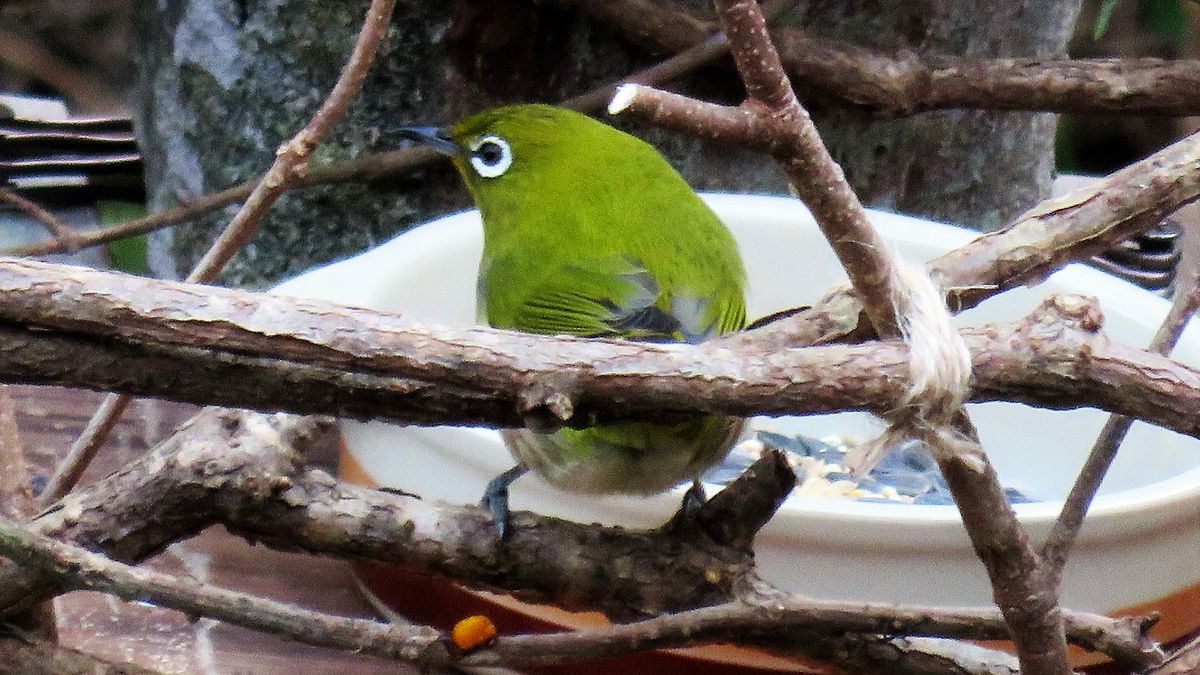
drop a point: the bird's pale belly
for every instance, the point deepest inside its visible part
(627, 458)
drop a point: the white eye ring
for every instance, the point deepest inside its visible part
(490, 156)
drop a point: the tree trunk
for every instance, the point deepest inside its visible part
(223, 82)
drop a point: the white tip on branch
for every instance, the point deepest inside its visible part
(622, 98)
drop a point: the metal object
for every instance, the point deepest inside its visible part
(1148, 259)
(64, 166)
(70, 161)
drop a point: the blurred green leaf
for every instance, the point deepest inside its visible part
(1103, 18)
(1165, 17)
(1066, 146)
(130, 254)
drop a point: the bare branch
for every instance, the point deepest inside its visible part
(239, 469)
(57, 228)
(902, 84)
(682, 63)
(366, 169)
(84, 448)
(773, 622)
(73, 568)
(1073, 227)
(26, 55)
(103, 329)
(1187, 301)
(1129, 86)
(813, 174)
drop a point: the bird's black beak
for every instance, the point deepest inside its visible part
(437, 138)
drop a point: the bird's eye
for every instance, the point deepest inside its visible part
(490, 156)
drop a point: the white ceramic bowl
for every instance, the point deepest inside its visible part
(1140, 543)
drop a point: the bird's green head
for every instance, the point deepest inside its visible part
(532, 149)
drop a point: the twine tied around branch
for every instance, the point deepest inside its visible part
(939, 374)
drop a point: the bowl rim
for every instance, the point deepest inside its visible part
(1111, 514)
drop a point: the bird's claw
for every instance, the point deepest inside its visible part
(495, 502)
(495, 497)
(693, 499)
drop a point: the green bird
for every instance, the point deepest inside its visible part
(589, 231)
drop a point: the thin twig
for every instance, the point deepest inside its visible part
(291, 160)
(368, 168)
(669, 69)
(57, 228)
(291, 163)
(686, 61)
(1183, 661)
(1186, 302)
(71, 467)
(733, 622)
(1019, 586)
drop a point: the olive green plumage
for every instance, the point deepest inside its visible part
(589, 231)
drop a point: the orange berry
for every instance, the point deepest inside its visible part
(473, 631)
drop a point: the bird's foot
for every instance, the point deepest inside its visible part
(495, 497)
(693, 499)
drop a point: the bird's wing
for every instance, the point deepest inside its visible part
(619, 297)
